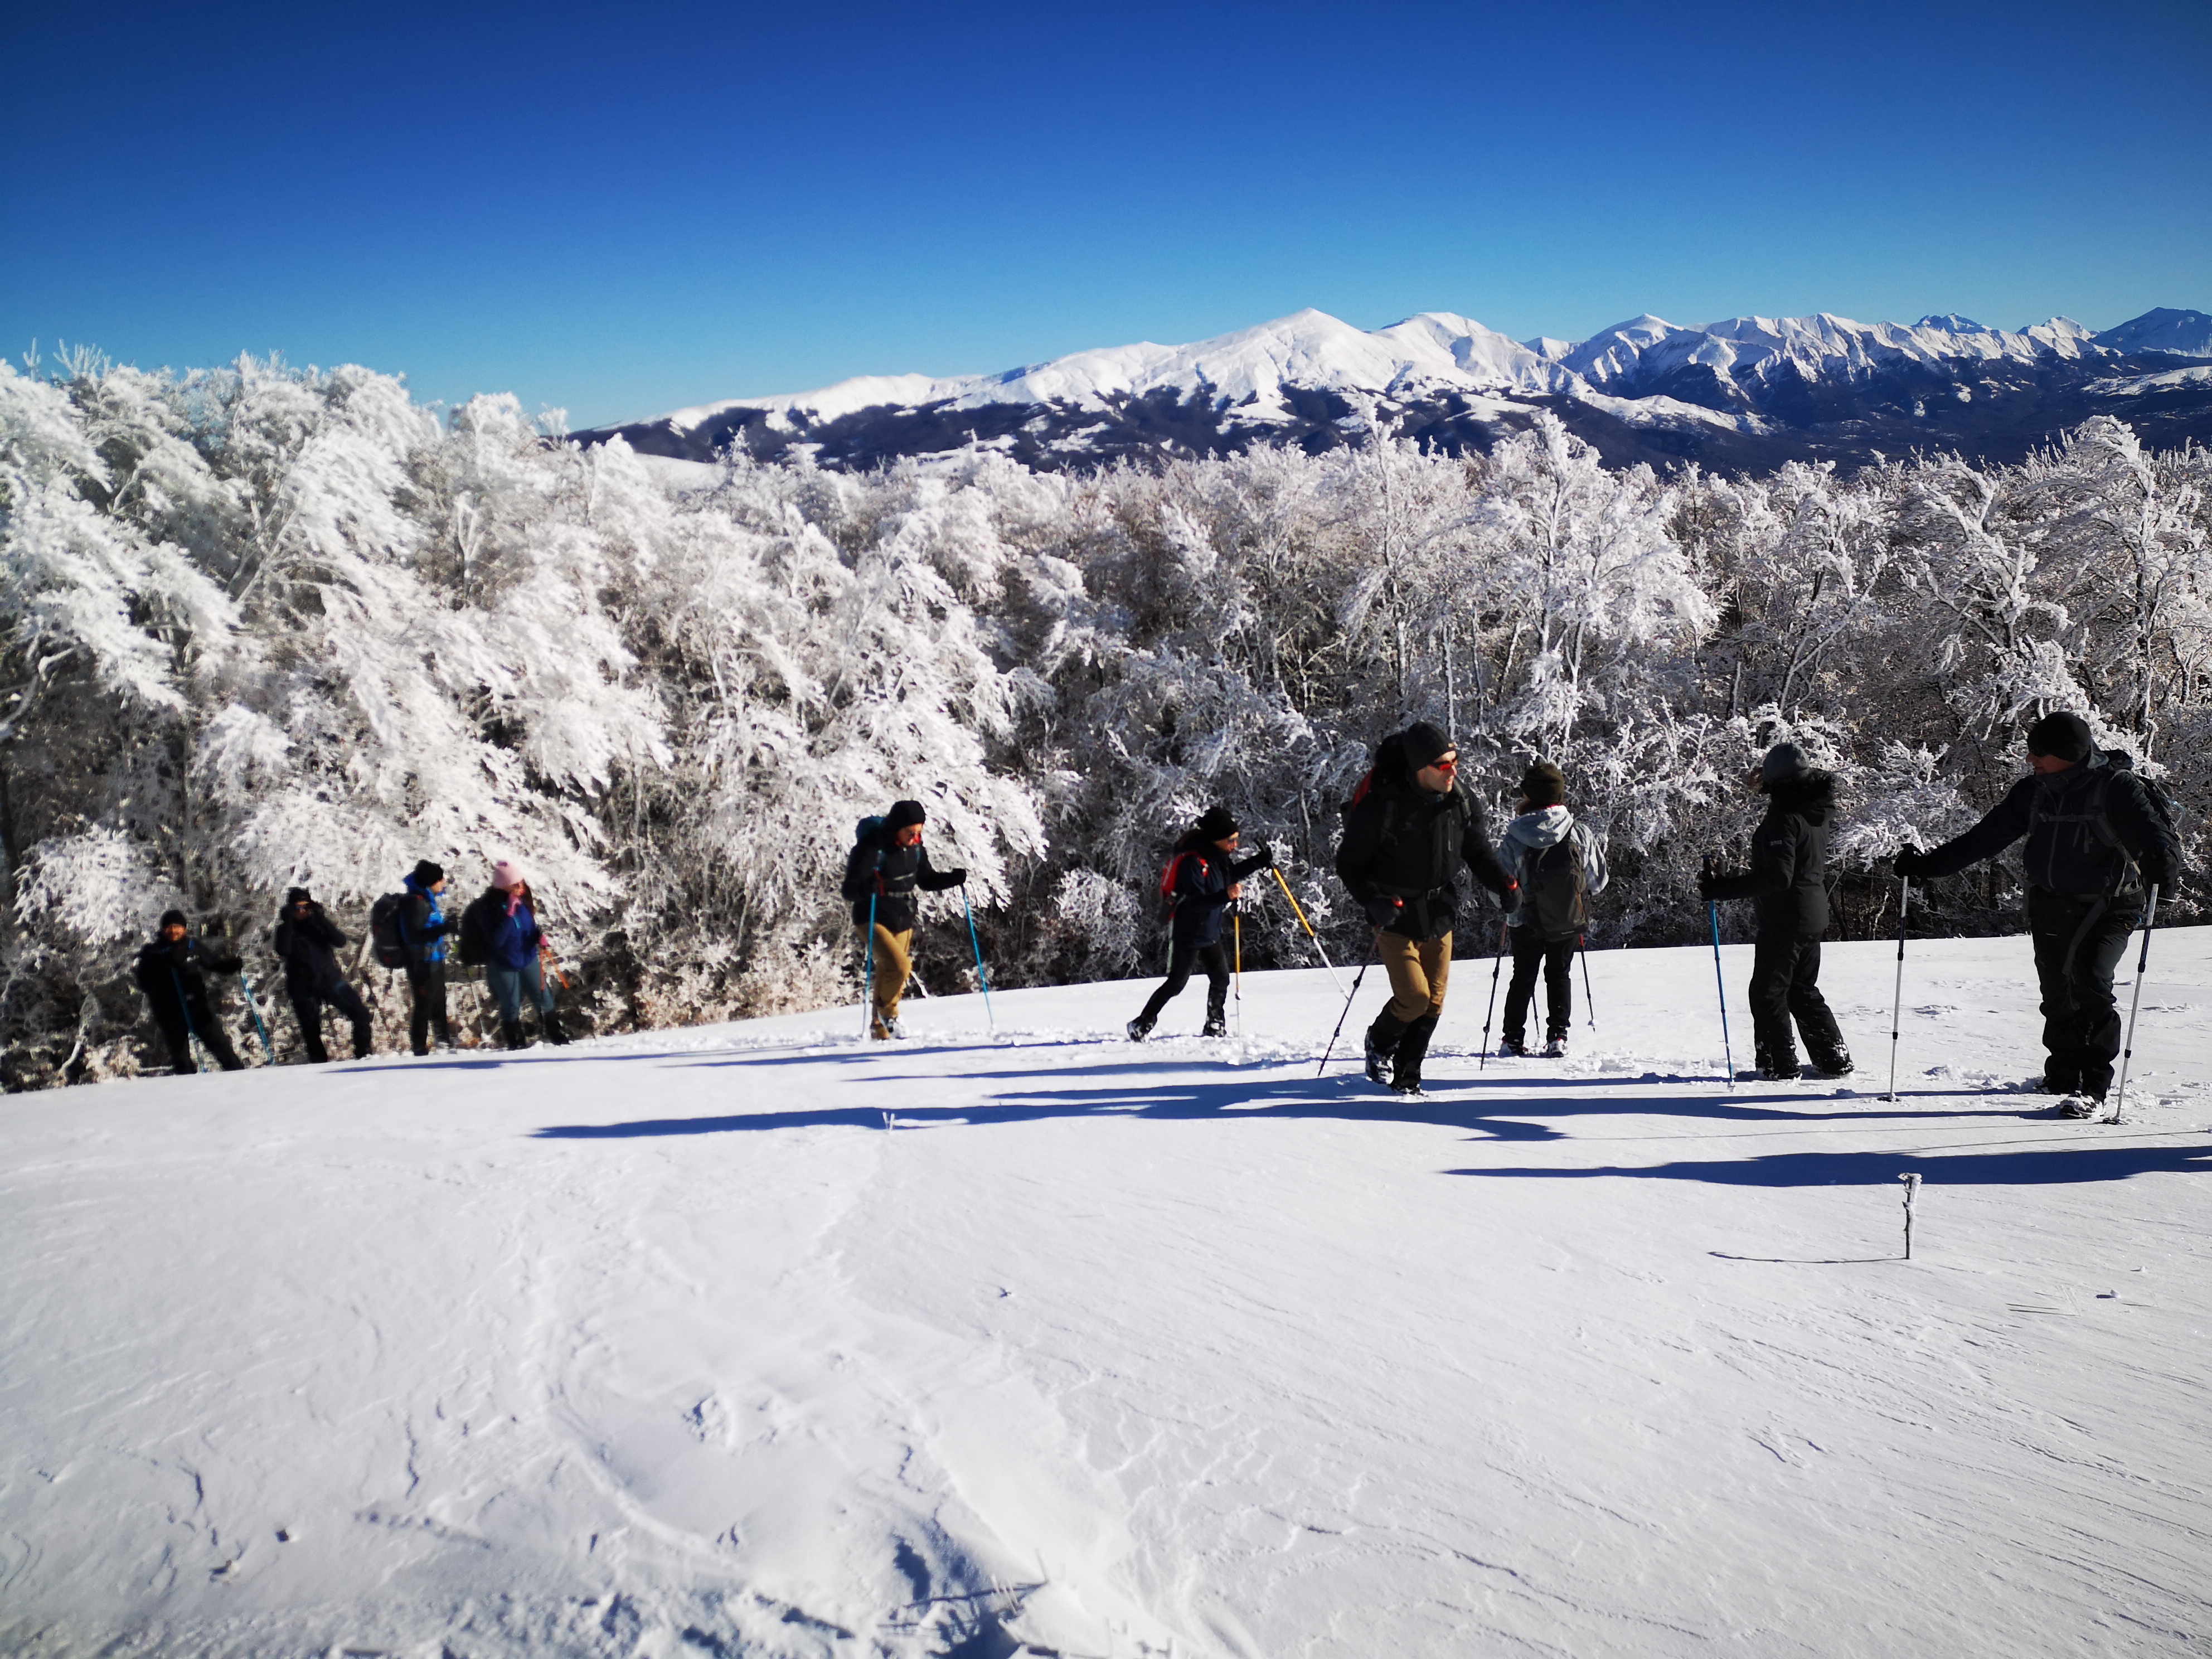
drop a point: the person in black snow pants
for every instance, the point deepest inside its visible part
(2096, 839)
(1203, 885)
(423, 925)
(173, 971)
(1409, 830)
(1561, 865)
(308, 942)
(887, 865)
(1789, 879)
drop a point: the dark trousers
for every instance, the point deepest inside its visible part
(426, 987)
(203, 1025)
(1785, 974)
(1556, 957)
(1187, 957)
(2078, 943)
(308, 1007)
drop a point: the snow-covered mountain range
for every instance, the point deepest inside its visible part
(1746, 394)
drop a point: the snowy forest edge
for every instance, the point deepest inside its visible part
(262, 627)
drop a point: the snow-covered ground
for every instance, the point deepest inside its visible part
(748, 1341)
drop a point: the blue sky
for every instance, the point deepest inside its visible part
(622, 211)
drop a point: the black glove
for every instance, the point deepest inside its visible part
(1912, 863)
(956, 877)
(1706, 882)
(1267, 857)
(1383, 909)
(1509, 900)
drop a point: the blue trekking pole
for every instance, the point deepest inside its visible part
(974, 939)
(1713, 908)
(868, 975)
(253, 1007)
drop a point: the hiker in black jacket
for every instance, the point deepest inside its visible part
(423, 927)
(173, 972)
(1789, 879)
(308, 942)
(1205, 872)
(2096, 841)
(1408, 832)
(888, 863)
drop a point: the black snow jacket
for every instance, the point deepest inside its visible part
(164, 970)
(1789, 873)
(881, 868)
(1201, 888)
(2091, 830)
(308, 945)
(1403, 842)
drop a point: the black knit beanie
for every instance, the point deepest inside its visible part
(427, 874)
(1216, 823)
(1424, 746)
(298, 896)
(1543, 785)
(174, 918)
(2062, 736)
(904, 812)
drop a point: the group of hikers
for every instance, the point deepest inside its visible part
(409, 931)
(2099, 840)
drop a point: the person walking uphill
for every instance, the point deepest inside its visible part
(307, 942)
(1559, 865)
(2097, 838)
(423, 925)
(888, 863)
(172, 971)
(1789, 879)
(500, 928)
(1409, 830)
(1202, 882)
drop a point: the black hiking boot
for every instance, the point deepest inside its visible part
(1139, 1028)
(510, 1034)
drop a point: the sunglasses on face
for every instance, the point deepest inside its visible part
(1444, 763)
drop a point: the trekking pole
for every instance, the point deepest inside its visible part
(1236, 933)
(1590, 997)
(1897, 1004)
(1496, 960)
(253, 1007)
(191, 1034)
(1308, 925)
(868, 974)
(1713, 908)
(974, 939)
(2142, 964)
(1340, 1018)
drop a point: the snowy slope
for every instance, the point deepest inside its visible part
(672, 1345)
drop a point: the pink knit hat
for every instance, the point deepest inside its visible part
(505, 876)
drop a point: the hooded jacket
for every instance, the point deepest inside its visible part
(2065, 817)
(163, 970)
(882, 868)
(1789, 873)
(308, 945)
(1405, 842)
(1201, 887)
(1531, 836)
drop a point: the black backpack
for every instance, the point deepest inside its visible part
(476, 935)
(2096, 812)
(1558, 899)
(384, 934)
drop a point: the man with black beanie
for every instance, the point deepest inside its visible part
(308, 942)
(1201, 883)
(1409, 830)
(173, 972)
(888, 863)
(2096, 840)
(424, 928)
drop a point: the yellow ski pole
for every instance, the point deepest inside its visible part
(1309, 926)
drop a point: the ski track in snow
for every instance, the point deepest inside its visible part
(666, 1345)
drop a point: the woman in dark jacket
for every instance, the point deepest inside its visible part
(1789, 880)
(1202, 884)
(503, 920)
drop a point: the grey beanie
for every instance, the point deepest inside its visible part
(1784, 762)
